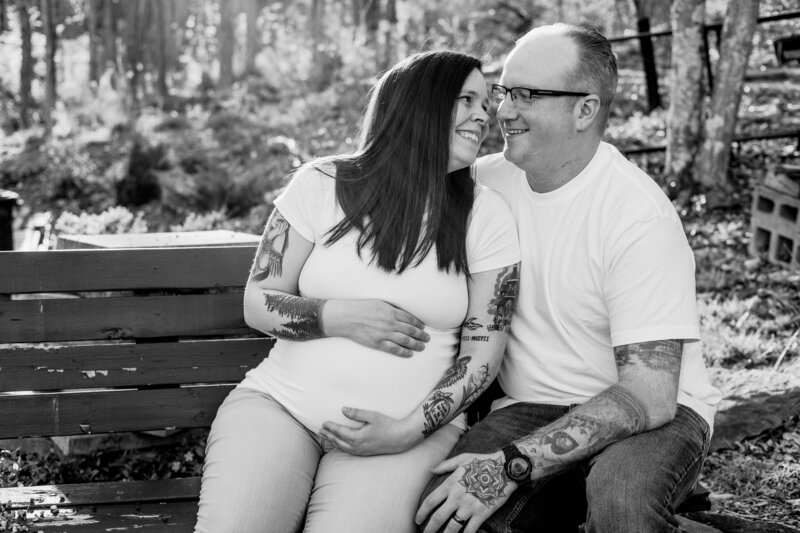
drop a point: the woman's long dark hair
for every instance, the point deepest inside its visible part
(395, 190)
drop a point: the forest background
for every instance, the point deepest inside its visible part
(180, 115)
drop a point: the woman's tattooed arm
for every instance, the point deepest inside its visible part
(483, 338)
(271, 301)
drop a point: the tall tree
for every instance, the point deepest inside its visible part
(162, 50)
(49, 13)
(253, 40)
(736, 43)
(226, 42)
(388, 53)
(26, 66)
(645, 10)
(686, 93)
(91, 8)
(110, 50)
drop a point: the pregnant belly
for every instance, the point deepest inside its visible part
(315, 379)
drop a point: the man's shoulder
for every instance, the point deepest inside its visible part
(497, 173)
(631, 186)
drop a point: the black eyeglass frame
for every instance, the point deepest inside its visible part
(532, 92)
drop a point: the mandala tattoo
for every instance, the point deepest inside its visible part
(485, 479)
(504, 299)
(471, 324)
(662, 355)
(269, 259)
(455, 373)
(303, 315)
(435, 410)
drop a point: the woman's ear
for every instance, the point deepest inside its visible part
(587, 112)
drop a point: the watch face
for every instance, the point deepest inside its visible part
(518, 467)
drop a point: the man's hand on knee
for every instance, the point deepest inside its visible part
(477, 487)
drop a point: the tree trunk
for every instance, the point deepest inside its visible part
(253, 44)
(372, 21)
(387, 58)
(686, 95)
(3, 17)
(643, 10)
(109, 36)
(49, 28)
(163, 49)
(226, 37)
(26, 67)
(90, 7)
(735, 46)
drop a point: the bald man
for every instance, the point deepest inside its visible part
(608, 409)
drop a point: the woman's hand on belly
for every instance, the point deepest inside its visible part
(379, 434)
(374, 324)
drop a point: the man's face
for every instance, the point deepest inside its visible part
(538, 137)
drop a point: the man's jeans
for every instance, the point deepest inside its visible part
(633, 485)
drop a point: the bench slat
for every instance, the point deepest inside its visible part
(44, 496)
(129, 365)
(119, 269)
(121, 317)
(172, 517)
(48, 414)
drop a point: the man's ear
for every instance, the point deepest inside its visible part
(587, 112)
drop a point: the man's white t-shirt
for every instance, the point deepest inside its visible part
(314, 379)
(605, 262)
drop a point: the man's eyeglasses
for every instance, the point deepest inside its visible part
(523, 96)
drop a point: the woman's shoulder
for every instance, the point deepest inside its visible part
(487, 198)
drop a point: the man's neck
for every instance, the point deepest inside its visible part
(546, 180)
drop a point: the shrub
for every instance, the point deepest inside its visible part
(112, 220)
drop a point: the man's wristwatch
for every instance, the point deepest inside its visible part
(518, 467)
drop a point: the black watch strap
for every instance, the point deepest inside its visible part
(517, 466)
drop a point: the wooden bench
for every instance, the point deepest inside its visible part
(119, 340)
(97, 341)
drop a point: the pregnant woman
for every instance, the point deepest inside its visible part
(388, 277)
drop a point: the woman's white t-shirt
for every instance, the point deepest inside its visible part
(314, 379)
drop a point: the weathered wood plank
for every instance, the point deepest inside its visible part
(121, 318)
(129, 364)
(76, 494)
(103, 411)
(120, 269)
(172, 517)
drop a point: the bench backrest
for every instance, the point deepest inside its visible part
(98, 341)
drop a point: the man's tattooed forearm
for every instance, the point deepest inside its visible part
(610, 416)
(485, 479)
(504, 299)
(269, 258)
(655, 355)
(303, 314)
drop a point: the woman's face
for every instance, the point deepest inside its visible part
(470, 122)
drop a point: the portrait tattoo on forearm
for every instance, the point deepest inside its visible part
(485, 479)
(269, 259)
(504, 299)
(303, 315)
(610, 416)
